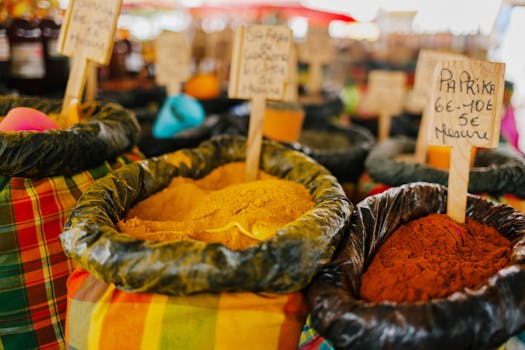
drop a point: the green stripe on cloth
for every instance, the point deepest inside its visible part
(78, 336)
(187, 318)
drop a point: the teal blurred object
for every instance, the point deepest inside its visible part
(178, 113)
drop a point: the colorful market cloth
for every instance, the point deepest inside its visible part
(33, 267)
(100, 316)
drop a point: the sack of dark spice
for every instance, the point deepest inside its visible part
(496, 173)
(42, 174)
(341, 149)
(479, 316)
(320, 109)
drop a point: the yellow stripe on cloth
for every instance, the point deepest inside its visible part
(97, 318)
(259, 317)
(153, 322)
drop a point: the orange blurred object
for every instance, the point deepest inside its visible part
(439, 156)
(283, 121)
(203, 86)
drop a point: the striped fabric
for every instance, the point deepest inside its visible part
(101, 316)
(33, 267)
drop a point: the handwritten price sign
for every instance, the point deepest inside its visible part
(87, 34)
(260, 62)
(426, 62)
(466, 104)
(173, 60)
(316, 51)
(465, 111)
(385, 97)
(259, 71)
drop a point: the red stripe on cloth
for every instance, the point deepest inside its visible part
(75, 281)
(131, 331)
(295, 313)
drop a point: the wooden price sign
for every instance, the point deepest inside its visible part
(259, 70)
(386, 97)
(465, 111)
(87, 34)
(219, 46)
(316, 51)
(291, 90)
(426, 62)
(173, 60)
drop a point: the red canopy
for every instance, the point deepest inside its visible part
(285, 11)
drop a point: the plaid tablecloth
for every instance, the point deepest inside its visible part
(33, 267)
(100, 316)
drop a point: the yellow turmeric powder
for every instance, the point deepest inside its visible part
(220, 207)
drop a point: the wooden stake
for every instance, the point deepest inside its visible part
(458, 181)
(87, 34)
(385, 120)
(420, 155)
(259, 71)
(465, 111)
(253, 148)
(74, 88)
(315, 77)
(92, 82)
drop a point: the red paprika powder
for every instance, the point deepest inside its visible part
(433, 257)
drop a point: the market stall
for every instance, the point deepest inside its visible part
(283, 175)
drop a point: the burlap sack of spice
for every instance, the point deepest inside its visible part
(479, 318)
(496, 172)
(42, 174)
(281, 264)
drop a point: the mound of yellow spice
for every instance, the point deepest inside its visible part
(220, 207)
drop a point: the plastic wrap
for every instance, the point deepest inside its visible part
(496, 171)
(348, 163)
(110, 131)
(481, 318)
(284, 263)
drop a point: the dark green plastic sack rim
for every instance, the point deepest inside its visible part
(110, 131)
(479, 318)
(346, 164)
(284, 263)
(496, 171)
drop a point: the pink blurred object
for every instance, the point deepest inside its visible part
(25, 119)
(509, 129)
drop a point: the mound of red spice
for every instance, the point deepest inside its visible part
(433, 257)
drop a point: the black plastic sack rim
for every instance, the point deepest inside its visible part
(496, 171)
(284, 263)
(347, 164)
(481, 318)
(110, 131)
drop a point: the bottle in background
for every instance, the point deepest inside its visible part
(27, 68)
(56, 65)
(5, 55)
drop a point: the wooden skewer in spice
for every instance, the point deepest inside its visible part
(465, 111)
(259, 70)
(385, 97)
(86, 35)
